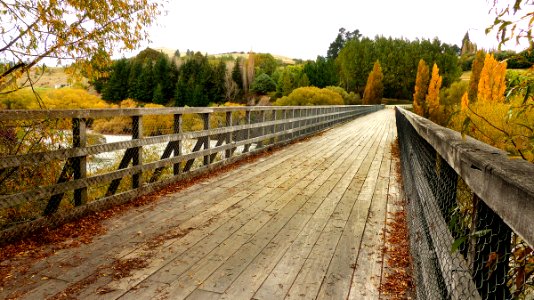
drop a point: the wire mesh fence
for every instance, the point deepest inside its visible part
(58, 165)
(461, 248)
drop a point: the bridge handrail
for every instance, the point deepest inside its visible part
(505, 185)
(470, 213)
(252, 129)
(26, 114)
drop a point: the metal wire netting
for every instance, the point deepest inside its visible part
(460, 248)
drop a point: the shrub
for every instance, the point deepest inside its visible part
(64, 98)
(348, 98)
(310, 96)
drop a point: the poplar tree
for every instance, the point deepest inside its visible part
(492, 81)
(374, 89)
(421, 88)
(478, 64)
(432, 98)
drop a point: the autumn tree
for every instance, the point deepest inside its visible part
(492, 80)
(421, 89)
(374, 88)
(432, 97)
(71, 31)
(478, 64)
(249, 71)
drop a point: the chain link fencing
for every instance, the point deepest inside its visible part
(461, 248)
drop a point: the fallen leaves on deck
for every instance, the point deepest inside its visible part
(398, 281)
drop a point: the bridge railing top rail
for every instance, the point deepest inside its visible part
(128, 112)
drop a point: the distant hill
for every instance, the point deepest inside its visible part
(284, 59)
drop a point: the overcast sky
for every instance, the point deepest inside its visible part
(305, 29)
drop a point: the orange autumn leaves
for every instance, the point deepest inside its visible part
(426, 96)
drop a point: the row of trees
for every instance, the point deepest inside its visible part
(495, 106)
(352, 62)
(399, 60)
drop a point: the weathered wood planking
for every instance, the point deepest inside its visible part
(288, 225)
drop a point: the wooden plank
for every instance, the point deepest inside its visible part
(256, 197)
(243, 212)
(263, 262)
(203, 295)
(189, 207)
(338, 278)
(281, 278)
(368, 272)
(314, 271)
(205, 267)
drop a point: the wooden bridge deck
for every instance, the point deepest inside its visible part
(305, 222)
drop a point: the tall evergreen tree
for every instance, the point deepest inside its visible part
(146, 84)
(237, 75)
(134, 84)
(116, 88)
(158, 96)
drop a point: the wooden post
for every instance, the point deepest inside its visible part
(293, 123)
(79, 140)
(316, 119)
(206, 120)
(229, 152)
(247, 131)
(284, 126)
(262, 129)
(177, 128)
(137, 159)
(273, 127)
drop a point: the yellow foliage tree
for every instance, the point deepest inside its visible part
(75, 31)
(492, 83)
(374, 89)
(432, 98)
(421, 88)
(474, 79)
(310, 96)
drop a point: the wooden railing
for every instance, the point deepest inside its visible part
(220, 136)
(470, 212)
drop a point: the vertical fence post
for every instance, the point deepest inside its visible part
(228, 153)
(79, 140)
(137, 159)
(273, 127)
(293, 123)
(285, 116)
(206, 120)
(247, 131)
(262, 128)
(177, 129)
